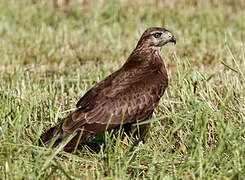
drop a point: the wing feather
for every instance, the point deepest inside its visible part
(123, 94)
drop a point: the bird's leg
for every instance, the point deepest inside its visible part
(142, 131)
(137, 131)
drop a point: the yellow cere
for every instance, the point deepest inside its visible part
(169, 34)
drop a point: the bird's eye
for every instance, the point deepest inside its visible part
(157, 35)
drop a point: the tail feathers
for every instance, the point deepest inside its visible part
(53, 134)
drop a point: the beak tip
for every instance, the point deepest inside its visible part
(173, 40)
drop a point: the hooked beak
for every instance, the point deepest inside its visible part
(173, 40)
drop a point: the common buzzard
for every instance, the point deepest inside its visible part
(127, 96)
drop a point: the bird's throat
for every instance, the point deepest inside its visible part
(157, 50)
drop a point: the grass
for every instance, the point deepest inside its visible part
(50, 58)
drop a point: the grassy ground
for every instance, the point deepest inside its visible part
(50, 58)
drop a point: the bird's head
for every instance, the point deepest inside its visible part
(156, 37)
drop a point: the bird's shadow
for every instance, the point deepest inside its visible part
(101, 142)
(95, 145)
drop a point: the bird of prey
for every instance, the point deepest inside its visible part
(127, 96)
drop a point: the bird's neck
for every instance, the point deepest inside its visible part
(156, 48)
(156, 51)
(144, 58)
(150, 50)
(146, 54)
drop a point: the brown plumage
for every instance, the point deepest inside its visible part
(129, 94)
